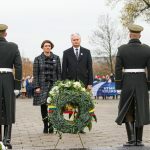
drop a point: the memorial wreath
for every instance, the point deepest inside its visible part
(72, 98)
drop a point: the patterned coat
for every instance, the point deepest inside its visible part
(46, 71)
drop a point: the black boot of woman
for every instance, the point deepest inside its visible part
(48, 128)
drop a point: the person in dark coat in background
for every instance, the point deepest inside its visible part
(131, 62)
(9, 58)
(46, 71)
(77, 63)
(112, 77)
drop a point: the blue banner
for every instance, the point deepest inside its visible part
(104, 89)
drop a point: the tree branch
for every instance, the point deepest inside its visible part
(147, 3)
(147, 7)
(144, 9)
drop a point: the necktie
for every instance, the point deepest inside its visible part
(76, 53)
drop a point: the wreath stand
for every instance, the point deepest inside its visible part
(60, 137)
(79, 138)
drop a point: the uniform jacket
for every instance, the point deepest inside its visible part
(9, 58)
(80, 69)
(40, 72)
(134, 86)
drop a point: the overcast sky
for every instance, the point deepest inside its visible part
(32, 21)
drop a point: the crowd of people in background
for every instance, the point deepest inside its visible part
(105, 78)
(27, 89)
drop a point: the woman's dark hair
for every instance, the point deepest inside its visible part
(47, 41)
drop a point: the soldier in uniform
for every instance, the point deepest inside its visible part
(132, 61)
(9, 59)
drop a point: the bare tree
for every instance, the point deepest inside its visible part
(106, 39)
(27, 66)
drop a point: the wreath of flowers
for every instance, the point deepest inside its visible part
(70, 97)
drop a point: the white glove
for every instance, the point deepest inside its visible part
(16, 92)
(118, 91)
(2, 145)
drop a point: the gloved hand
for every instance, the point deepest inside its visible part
(118, 91)
(16, 92)
(2, 145)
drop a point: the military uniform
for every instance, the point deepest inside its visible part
(9, 59)
(131, 62)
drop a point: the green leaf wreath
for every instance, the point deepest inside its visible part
(71, 97)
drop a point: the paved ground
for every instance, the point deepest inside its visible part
(105, 135)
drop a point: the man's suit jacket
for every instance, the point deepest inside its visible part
(77, 69)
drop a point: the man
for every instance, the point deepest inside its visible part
(9, 58)
(132, 61)
(77, 63)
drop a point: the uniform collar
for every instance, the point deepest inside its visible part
(2, 39)
(135, 41)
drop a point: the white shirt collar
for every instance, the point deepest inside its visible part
(74, 48)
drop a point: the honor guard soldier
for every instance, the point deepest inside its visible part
(132, 72)
(9, 59)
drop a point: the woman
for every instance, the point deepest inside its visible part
(46, 71)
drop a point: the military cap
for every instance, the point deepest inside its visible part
(135, 28)
(3, 27)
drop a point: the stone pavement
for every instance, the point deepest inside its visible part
(105, 135)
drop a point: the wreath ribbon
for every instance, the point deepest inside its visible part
(51, 109)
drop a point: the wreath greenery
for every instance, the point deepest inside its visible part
(71, 97)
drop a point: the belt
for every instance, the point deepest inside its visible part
(5, 70)
(134, 70)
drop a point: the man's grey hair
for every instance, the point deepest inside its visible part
(75, 34)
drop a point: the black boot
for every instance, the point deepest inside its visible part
(51, 129)
(45, 130)
(44, 117)
(130, 134)
(7, 136)
(139, 134)
(48, 128)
